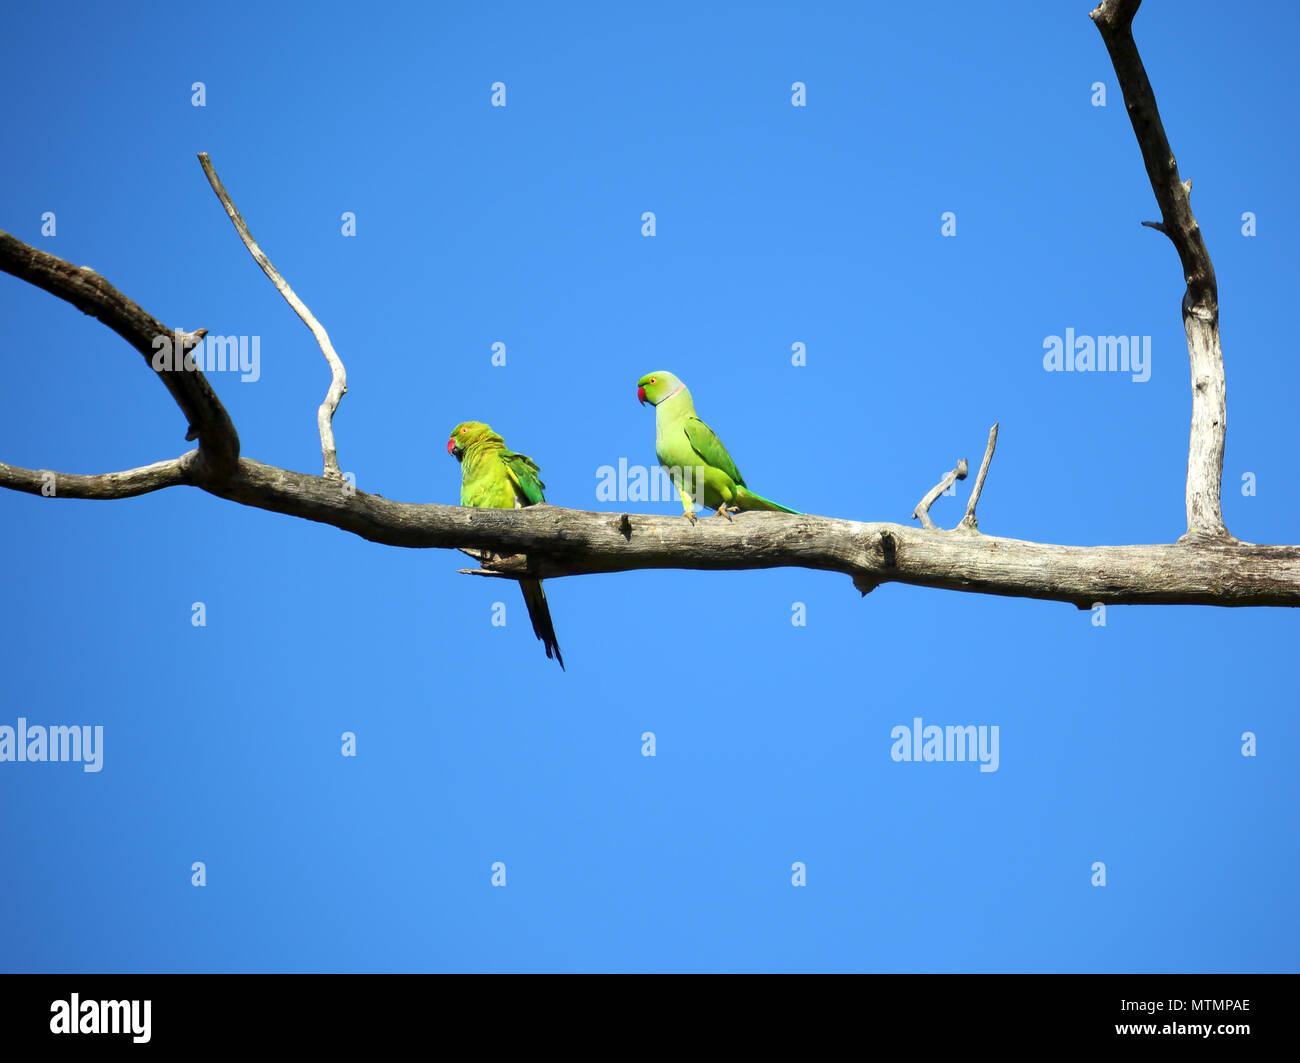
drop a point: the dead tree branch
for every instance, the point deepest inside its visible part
(565, 542)
(338, 375)
(105, 486)
(90, 293)
(1114, 19)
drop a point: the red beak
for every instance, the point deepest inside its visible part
(451, 446)
(640, 396)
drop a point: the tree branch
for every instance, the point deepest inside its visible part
(339, 379)
(1114, 19)
(549, 542)
(109, 485)
(92, 294)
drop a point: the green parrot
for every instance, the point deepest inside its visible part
(692, 455)
(496, 478)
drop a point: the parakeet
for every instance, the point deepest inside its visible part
(496, 478)
(692, 455)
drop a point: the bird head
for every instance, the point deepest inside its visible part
(655, 387)
(465, 435)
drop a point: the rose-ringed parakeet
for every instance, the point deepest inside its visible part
(496, 478)
(692, 455)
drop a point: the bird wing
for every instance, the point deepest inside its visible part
(523, 472)
(710, 449)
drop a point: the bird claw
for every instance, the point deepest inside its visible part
(725, 511)
(689, 515)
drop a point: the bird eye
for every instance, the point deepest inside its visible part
(652, 380)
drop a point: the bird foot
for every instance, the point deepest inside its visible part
(689, 515)
(726, 511)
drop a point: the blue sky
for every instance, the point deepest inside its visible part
(521, 225)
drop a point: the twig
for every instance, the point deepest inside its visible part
(922, 510)
(503, 566)
(969, 522)
(339, 379)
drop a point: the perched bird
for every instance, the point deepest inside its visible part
(692, 455)
(493, 477)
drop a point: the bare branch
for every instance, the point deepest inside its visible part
(109, 485)
(968, 522)
(339, 379)
(165, 350)
(1114, 20)
(922, 510)
(548, 542)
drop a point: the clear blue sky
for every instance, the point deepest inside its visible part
(521, 225)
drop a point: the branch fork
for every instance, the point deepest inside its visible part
(968, 523)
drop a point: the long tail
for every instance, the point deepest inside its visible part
(746, 499)
(540, 614)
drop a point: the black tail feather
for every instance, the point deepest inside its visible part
(540, 614)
